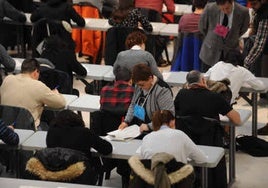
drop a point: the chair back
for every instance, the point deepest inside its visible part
(115, 43)
(53, 78)
(22, 118)
(62, 165)
(202, 130)
(187, 58)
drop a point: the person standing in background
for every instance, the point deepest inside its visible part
(222, 23)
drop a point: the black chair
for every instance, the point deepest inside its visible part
(206, 131)
(115, 43)
(19, 116)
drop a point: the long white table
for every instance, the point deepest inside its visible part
(97, 72)
(23, 183)
(124, 150)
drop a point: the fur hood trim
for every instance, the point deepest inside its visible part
(148, 176)
(35, 167)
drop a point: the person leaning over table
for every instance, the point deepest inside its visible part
(222, 23)
(25, 90)
(150, 94)
(128, 16)
(135, 43)
(164, 138)
(198, 100)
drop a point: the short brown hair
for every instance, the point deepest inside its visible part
(161, 117)
(135, 38)
(141, 72)
(30, 65)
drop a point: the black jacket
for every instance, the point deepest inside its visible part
(58, 10)
(7, 10)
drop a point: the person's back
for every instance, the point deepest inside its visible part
(24, 90)
(57, 10)
(7, 10)
(238, 75)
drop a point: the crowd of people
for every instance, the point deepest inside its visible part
(139, 95)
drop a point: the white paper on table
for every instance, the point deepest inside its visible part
(129, 132)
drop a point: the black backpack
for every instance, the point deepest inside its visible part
(253, 145)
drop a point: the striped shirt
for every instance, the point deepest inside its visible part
(8, 135)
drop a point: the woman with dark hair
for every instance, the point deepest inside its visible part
(150, 94)
(239, 76)
(189, 22)
(135, 43)
(128, 16)
(68, 131)
(165, 138)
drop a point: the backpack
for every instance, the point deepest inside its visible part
(252, 145)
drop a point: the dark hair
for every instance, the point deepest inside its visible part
(234, 57)
(141, 72)
(135, 38)
(161, 117)
(122, 73)
(193, 77)
(30, 65)
(122, 12)
(199, 3)
(67, 118)
(222, 2)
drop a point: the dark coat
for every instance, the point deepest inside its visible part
(57, 10)
(61, 164)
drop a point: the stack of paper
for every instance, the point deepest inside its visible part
(127, 133)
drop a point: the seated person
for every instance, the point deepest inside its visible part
(114, 102)
(135, 43)
(150, 95)
(7, 134)
(164, 134)
(57, 10)
(239, 76)
(68, 131)
(7, 10)
(128, 16)
(56, 50)
(25, 90)
(197, 100)
(7, 61)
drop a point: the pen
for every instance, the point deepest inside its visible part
(57, 87)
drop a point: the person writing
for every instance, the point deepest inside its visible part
(151, 94)
(164, 138)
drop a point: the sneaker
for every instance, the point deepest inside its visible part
(263, 130)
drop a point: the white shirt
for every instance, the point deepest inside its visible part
(238, 76)
(172, 141)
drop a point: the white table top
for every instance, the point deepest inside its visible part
(36, 142)
(157, 27)
(24, 134)
(175, 78)
(170, 29)
(109, 76)
(69, 99)
(244, 116)
(88, 103)
(97, 72)
(97, 24)
(180, 9)
(23, 183)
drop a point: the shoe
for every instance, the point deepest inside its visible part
(162, 63)
(263, 130)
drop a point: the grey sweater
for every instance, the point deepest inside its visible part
(159, 99)
(130, 58)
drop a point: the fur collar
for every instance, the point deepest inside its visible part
(35, 167)
(148, 176)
